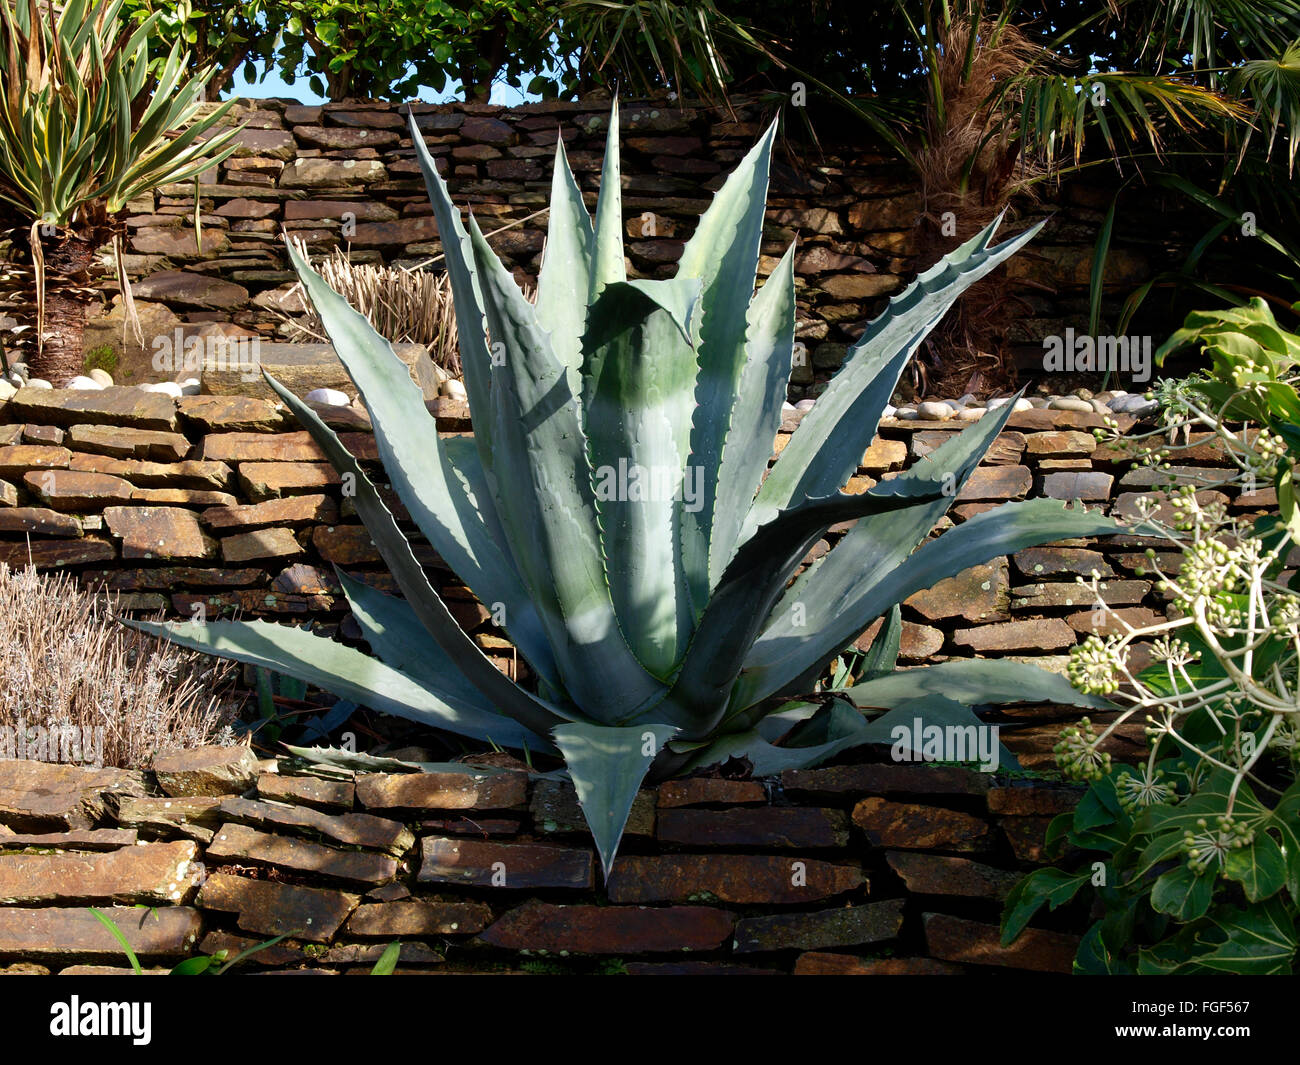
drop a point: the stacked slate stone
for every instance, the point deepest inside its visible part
(344, 175)
(859, 869)
(223, 502)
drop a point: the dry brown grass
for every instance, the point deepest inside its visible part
(66, 662)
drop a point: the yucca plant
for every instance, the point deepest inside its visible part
(615, 508)
(87, 124)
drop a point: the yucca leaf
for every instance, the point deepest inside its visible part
(467, 301)
(723, 254)
(397, 636)
(564, 282)
(839, 728)
(876, 544)
(546, 504)
(785, 657)
(824, 451)
(508, 697)
(975, 681)
(342, 670)
(607, 254)
(749, 588)
(414, 459)
(608, 766)
(755, 418)
(881, 658)
(639, 363)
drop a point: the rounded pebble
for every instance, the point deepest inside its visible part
(970, 414)
(84, 384)
(453, 389)
(331, 397)
(6, 390)
(906, 414)
(39, 382)
(1071, 403)
(932, 411)
(805, 404)
(102, 376)
(166, 388)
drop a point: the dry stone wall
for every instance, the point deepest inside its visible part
(850, 870)
(344, 175)
(217, 505)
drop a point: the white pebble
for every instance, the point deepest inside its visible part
(39, 382)
(932, 411)
(166, 388)
(906, 414)
(889, 411)
(102, 376)
(1071, 403)
(331, 397)
(1022, 404)
(84, 384)
(970, 414)
(787, 407)
(805, 404)
(6, 390)
(454, 389)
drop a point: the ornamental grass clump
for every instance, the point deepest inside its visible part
(615, 513)
(76, 685)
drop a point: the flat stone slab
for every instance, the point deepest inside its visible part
(267, 908)
(350, 829)
(419, 917)
(118, 405)
(441, 791)
(307, 790)
(847, 926)
(302, 368)
(170, 534)
(46, 796)
(731, 878)
(610, 929)
(974, 943)
(777, 827)
(86, 839)
(124, 443)
(916, 827)
(240, 844)
(56, 932)
(555, 811)
(157, 873)
(504, 865)
(937, 874)
(209, 770)
(193, 818)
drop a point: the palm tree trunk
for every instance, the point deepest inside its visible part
(67, 269)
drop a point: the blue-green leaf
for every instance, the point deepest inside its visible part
(608, 765)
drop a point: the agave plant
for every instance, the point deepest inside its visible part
(615, 508)
(86, 124)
